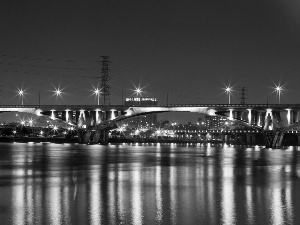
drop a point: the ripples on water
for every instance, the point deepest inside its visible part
(148, 184)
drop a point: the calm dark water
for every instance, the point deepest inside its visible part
(148, 184)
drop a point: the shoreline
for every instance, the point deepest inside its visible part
(62, 140)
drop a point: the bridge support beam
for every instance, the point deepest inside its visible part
(273, 139)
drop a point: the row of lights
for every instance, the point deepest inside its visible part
(97, 92)
(138, 91)
(278, 88)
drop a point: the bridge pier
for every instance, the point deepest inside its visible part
(93, 136)
(250, 138)
(96, 138)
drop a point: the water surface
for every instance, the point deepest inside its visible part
(44, 183)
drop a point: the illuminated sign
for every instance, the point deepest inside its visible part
(140, 99)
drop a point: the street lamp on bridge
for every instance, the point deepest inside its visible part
(57, 92)
(228, 90)
(97, 92)
(21, 94)
(278, 89)
(138, 91)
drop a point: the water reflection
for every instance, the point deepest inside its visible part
(137, 203)
(228, 203)
(173, 192)
(147, 184)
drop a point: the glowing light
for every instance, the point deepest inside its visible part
(121, 129)
(138, 91)
(278, 89)
(14, 132)
(55, 128)
(228, 90)
(21, 93)
(58, 92)
(97, 92)
(30, 121)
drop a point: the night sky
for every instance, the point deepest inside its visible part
(187, 49)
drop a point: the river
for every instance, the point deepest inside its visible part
(46, 183)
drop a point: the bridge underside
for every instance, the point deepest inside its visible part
(96, 122)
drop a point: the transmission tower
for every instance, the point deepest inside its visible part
(104, 81)
(243, 95)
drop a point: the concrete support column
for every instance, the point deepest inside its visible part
(227, 138)
(77, 116)
(297, 117)
(104, 137)
(106, 115)
(289, 116)
(93, 118)
(96, 138)
(81, 119)
(87, 118)
(255, 117)
(82, 114)
(259, 118)
(113, 114)
(250, 138)
(249, 116)
(52, 114)
(223, 138)
(98, 117)
(231, 114)
(236, 138)
(294, 115)
(268, 120)
(67, 115)
(87, 137)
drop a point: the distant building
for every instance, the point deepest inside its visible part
(213, 122)
(142, 120)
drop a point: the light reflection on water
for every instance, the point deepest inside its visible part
(148, 184)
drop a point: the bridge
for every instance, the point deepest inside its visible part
(94, 121)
